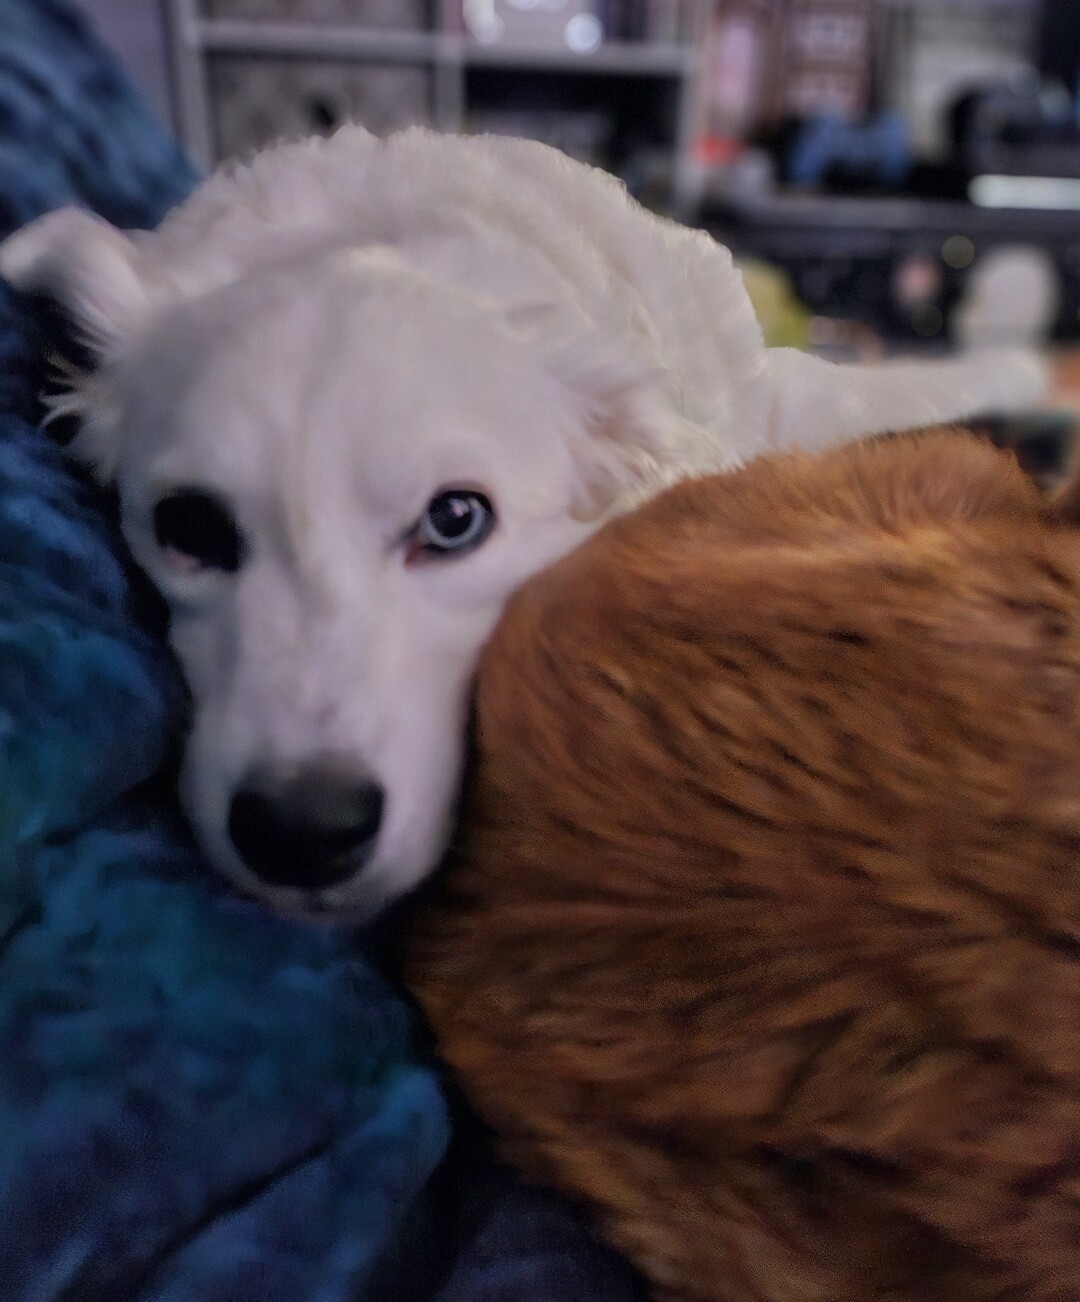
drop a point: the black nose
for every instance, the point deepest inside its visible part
(312, 830)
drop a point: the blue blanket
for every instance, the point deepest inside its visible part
(197, 1100)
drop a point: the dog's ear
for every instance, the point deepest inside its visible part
(87, 267)
(632, 449)
(93, 273)
(631, 446)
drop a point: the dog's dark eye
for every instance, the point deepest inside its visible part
(455, 520)
(198, 529)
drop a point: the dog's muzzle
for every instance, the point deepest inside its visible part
(308, 829)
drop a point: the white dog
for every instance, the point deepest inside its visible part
(352, 396)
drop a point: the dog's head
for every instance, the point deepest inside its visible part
(336, 467)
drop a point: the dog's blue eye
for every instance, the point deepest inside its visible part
(198, 530)
(455, 520)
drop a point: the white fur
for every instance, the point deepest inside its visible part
(332, 334)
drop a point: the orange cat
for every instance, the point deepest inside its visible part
(764, 938)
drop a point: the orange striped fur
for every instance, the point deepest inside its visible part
(764, 934)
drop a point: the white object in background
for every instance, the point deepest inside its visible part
(1061, 193)
(570, 23)
(1011, 299)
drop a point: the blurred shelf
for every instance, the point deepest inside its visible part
(948, 5)
(653, 76)
(615, 58)
(315, 41)
(799, 213)
(309, 41)
(843, 253)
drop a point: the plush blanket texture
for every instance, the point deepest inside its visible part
(197, 1101)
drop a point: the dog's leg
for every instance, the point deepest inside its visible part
(816, 403)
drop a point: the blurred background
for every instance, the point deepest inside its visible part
(893, 173)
